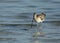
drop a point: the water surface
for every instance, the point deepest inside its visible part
(16, 17)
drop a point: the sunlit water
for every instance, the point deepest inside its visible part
(16, 17)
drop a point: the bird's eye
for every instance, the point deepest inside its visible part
(41, 18)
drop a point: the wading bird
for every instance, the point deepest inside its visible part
(38, 18)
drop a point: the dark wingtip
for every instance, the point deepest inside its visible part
(43, 13)
(34, 13)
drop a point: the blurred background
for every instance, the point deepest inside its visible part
(16, 17)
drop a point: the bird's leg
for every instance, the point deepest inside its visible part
(37, 25)
(31, 23)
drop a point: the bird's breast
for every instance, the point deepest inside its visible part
(38, 20)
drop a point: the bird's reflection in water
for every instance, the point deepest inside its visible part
(36, 41)
(38, 34)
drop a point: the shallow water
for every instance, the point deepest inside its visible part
(16, 17)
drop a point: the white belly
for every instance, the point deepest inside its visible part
(38, 20)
